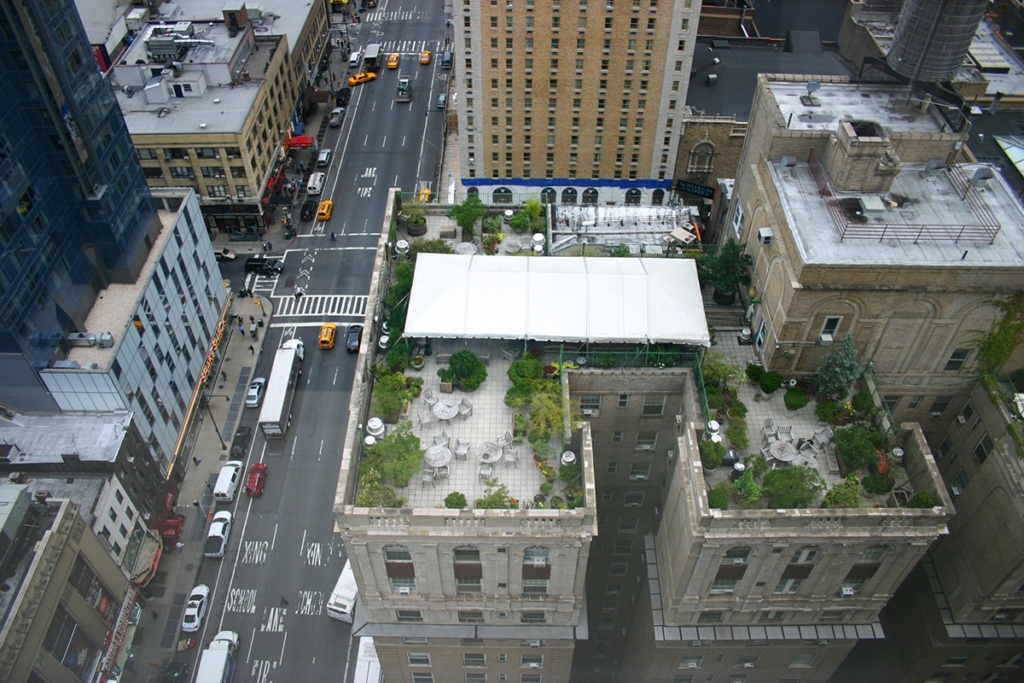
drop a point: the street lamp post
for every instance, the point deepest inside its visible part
(199, 505)
(223, 446)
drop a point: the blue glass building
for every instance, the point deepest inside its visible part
(75, 211)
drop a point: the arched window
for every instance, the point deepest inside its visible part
(633, 196)
(739, 552)
(536, 570)
(658, 197)
(799, 568)
(569, 195)
(702, 157)
(502, 195)
(468, 570)
(590, 196)
(731, 571)
(473, 192)
(399, 567)
(548, 195)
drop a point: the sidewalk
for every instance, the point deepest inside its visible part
(159, 629)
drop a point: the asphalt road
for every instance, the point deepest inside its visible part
(284, 557)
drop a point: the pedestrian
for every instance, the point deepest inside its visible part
(196, 460)
(333, 239)
(154, 614)
(252, 321)
(241, 328)
(252, 350)
(284, 603)
(224, 375)
(269, 247)
(209, 486)
(299, 292)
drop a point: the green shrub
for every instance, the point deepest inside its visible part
(877, 483)
(455, 500)
(793, 487)
(737, 433)
(795, 398)
(757, 464)
(495, 496)
(826, 411)
(718, 371)
(390, 394)
(754, 372)
(838, 370)
(569, 473)
(718, 499)
(547, 488)
(398, 355)
(469, 370)
(716, 399)
(749, 491)
(879, 440)
(396, 457)
(738, 409)
(491, 224)
(770, 382)
(854, 447)
(844, 495)
(861, 401)
(520, 222)
(922, 499)
(711, 453)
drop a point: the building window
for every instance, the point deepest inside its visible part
(476, 678)
(737, 220)
(532, 617)
(723, 586)
(623, 400)
(646, 441)
(398, 583)
(639, 471)
(467, 585)
(711, 617)
(414, 641)
(535, 586)
(956, 360)
(915, 402)
(691, 662)
(773, 616)
(654, 405)
(623, 548)
(984, 447)
(633, 499)
(471, 616)
(940, 404)
(531, 661)
(957, 660)
(590, 405)
(409, 616)
(474, 659)
(422, 677)
(418, 658)
(874, 554)
(702, 160)
(613, 588)
(530, 678)
(618, 568)
(802, 662)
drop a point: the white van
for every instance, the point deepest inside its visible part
(324, 159)
(353, 61)
(316, 184)
(343, 598)
(227, 481)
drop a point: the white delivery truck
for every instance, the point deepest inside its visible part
(284, 379)
(217, 665)
(343, 598)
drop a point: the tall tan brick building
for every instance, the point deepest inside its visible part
(574, 101)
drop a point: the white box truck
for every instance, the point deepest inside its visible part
(217, 665)
(343, 598)
(276, 414)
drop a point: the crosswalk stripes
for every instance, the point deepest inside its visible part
(321, 305)
(409, 47)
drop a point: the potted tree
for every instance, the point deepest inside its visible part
(711, 454)
(728, 270)
(447, 378)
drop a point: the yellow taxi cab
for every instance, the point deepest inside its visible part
(425, 195)
(361, 78)
(393, 59)
(425, 57)
(328, 333)
(325, 210)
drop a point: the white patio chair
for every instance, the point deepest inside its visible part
(486, 471)
(769, 423)
(465, 408)
(461, 449)
(441, 439)
(505, 440)
(785, 433)
(512, 458)
(441, 472)
(424, 418)
(429, 397)
(428, 478)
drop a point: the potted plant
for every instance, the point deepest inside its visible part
(468, 370)
(711, 454)
(414, 385)
(390, 396)
(754, 372)
(727, 271)
(770, 382)
(558, 502)
(550, 371)
(417, 362)
(455, 501)
(539, 499)
(795, 399)
(546, 488)
(518, 427)
(447, 378)
(548, 472)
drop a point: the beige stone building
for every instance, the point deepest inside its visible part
(69, 611)
(555, 98)
(208, 106)
(861, 220)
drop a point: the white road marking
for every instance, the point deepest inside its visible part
(274, 622)
(274, 539)
(254, 552)
(261, 669)
(310, 603)
(241, 600)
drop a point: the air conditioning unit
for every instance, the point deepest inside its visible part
(539, 562)
(846, 592)
(936, 413)
(534, 643)
(404, 590)
(638, 477)
(738, 561)
(632, 505)
(691, 665)
(956, 490)
(589, 413)
(679, 419)
(645, 447)
(765, 236)
(748, 665)
(534, 665)
(671, 454)
(826, 339)
(961, 419)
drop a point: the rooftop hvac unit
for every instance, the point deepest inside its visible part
(105, 339)
(81, 339)
(539, 562)
(846, 592)
(826, 339)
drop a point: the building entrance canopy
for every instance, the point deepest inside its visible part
(596, 300)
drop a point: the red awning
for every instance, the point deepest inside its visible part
(300, 142)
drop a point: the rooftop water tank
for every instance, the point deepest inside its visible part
(933, 36)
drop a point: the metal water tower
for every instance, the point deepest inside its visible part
(933, 36)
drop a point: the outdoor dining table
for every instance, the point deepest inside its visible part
(444, 410)
(438, 456)
(784, 451)
(490, 452)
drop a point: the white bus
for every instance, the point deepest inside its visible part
(367, 665)
(284, 376)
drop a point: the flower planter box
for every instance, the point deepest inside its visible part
(447, 388)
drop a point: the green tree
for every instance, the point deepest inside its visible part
(728, 270)
(520, 222)
(374, 493)
(495, 496)
(468, 213)
(390, 394)
(469, 371)
(844, 495)
(533, 208)
(621, 251)
(455, 500)
(422, 246)
(397, 456)
(854, 447)
(838, 370)
(793, 487)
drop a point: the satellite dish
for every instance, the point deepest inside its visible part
(813, 87)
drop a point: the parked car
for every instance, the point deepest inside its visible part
(344, 95)
(336, 114)
(425, 57)
(217, 536)
(195, 608)
(254, 397)
(353, 337)
(263, 266)
(309, 208)
(361, 77)
(257, 478)
(224, 255)
(175, 672)
(325, 210)
(240, 442)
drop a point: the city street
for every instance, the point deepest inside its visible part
(284, 558)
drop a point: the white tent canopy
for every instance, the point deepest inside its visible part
(634, 300)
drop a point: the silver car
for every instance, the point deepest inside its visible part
(254, 397)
